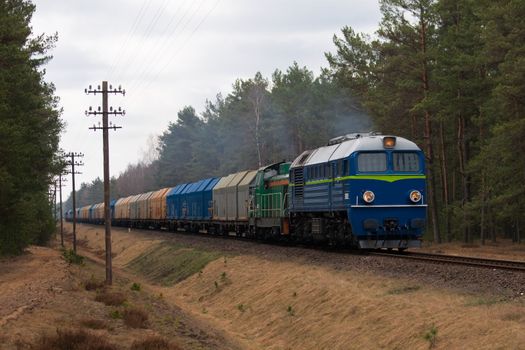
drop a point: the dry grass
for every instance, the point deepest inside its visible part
(69, 339)
(293, 303)
(512, 316)
(135, 317)
(94, 323)
(154, 343)
(92, 284)
(111, 298)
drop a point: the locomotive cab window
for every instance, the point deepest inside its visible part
(406, 161)
(371, 162)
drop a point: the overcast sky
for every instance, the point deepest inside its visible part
(168, 54)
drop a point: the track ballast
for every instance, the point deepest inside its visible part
(457, 260)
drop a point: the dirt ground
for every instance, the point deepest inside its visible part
(258, 299)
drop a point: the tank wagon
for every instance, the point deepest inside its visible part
(364, 190)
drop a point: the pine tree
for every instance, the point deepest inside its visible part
(393, 77)
(29, 130)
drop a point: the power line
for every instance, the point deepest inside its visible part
(157, 50)
(120, 53)
(179, 50)
(149, 28)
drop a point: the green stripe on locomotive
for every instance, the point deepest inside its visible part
(270, 190)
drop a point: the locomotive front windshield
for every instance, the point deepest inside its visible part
(380, 162)
(371, 162)
(406, 161)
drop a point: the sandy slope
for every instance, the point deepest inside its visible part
(340, 310)
(41, 293)
(269, 304)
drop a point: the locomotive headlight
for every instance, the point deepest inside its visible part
(415, 196)
(389, 142)
(369, 196)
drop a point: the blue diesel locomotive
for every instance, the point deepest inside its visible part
(363, 189)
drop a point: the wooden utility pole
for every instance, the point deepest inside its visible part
(72, 162)
(60, 185)
(55, 202)
(105, 142)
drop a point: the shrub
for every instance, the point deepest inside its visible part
(153, 343)
(431, 335)
(93, 323)
(135, 318)
(115, 314)
(404, 289)
(67, 339)
(71, 257)
(290, 310)
(110, 298)
(135, 287)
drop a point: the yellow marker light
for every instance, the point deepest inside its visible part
(389, 142)
(415, 196)
(369, 196)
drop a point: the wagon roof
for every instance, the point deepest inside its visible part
(176, 190)
(224, 181)
(248, 178)
(211, 184)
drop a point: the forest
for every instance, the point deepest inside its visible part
(30, 126)
(259, 122)
(448, 74)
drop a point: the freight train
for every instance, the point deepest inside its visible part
(365, 190)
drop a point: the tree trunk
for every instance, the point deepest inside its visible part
(518, 234)
(493, 226)
(257, 97)
(483, 190)
(444, 180)
(257, 136)
(428, 128)
(413, 126)
(462, 155)
(482, 218)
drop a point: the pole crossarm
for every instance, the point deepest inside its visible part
(102, 90)
(114, 127)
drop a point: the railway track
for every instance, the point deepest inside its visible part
(457, 260)
(510, 265)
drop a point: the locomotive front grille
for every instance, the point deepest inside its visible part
(391, 224)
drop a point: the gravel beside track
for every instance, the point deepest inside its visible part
(496, 282)
(456, 259)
